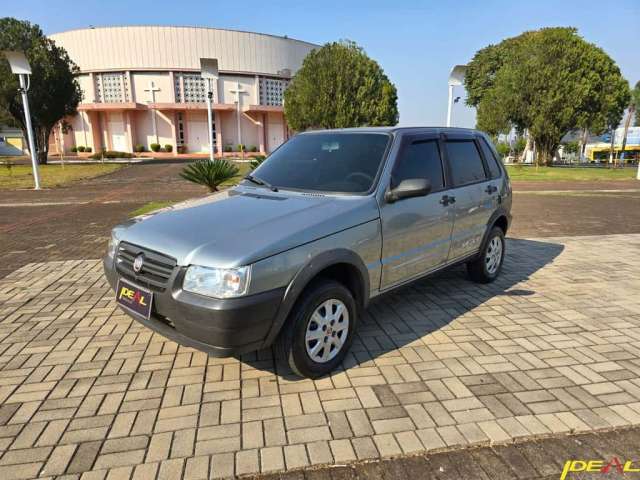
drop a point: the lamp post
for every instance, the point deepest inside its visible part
(209, 71)
(456, 78)
(20, 66)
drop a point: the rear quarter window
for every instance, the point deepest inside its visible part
(490, 157)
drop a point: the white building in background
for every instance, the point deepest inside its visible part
(142, 85)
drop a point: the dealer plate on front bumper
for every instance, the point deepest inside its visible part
(135, 299)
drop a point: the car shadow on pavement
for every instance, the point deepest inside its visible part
(408, 316)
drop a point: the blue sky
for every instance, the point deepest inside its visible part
(415, 42)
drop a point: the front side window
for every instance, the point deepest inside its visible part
(326, 162)
(420, 160)
(465, 162)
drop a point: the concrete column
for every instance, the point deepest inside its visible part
(128, 121)
(218, 132)
(93, 119)
(262, 133)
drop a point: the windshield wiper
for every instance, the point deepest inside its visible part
(259, 181)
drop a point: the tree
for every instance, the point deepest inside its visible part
(635, 101)
(547, 82)
(54, 92)
(339, 86)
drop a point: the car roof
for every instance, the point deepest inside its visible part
(401, 130)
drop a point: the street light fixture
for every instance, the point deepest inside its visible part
(20, 66)
(209, 71)
(456, 78)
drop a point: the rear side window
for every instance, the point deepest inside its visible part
(492, 161)
(420, 160)
(465, 162)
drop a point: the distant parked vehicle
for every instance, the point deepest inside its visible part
(294, 253)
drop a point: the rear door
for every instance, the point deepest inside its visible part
(471, 192)
(416, 231)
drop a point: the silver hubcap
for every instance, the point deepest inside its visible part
(494, 255)
(327, 330)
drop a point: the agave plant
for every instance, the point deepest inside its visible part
(257, 160)
(209, 173)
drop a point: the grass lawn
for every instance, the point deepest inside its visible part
(20, 176)
(150, 207)
(570, 173)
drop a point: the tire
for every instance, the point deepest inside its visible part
(318, 298)
(486, 267)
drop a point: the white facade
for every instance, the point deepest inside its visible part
(141, 85)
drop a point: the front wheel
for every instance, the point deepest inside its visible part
(320, 329)
(486, 267)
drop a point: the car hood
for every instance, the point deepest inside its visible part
(245, 225)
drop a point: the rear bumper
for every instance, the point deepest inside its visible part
(220, 327)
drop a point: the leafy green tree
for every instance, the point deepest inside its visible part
(571, 147)
(339, 86)
(635, 101)
(503, 149)
(54, 92)
(548, 82)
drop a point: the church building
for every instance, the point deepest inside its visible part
(142, 85)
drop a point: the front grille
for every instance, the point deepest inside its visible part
(156, 268)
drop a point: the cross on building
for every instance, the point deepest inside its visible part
(153, 89)
(237, 92)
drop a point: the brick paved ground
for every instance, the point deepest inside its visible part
(551, 348)
(533, 459)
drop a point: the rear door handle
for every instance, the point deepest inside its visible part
(490, 189)
(447, 199)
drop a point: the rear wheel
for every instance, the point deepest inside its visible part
(319, 330)
(486, 267)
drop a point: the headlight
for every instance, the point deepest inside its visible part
(217, 282)
(113, 246)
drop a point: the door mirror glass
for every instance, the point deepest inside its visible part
(411, 187)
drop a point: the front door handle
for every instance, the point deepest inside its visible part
(447, 199)
(491, 189)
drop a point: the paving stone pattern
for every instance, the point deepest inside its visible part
(552, 347)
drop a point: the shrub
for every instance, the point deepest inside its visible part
(503, 149)
(74, 149)
(168, 147)
(240, 147)
(257, 160)
(181, 149)
(87, 149)
(227, 148)
(155, 147)
(210, 173)
(81, 148)
(138, 148)
(253, 148)
(110, 154)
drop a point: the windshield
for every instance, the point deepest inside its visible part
(327, 162)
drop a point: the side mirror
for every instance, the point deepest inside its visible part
(411, 187)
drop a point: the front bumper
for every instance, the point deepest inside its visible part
(220, 327)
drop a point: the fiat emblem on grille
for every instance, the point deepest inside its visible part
(138, 262)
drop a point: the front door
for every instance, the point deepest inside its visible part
(416, 231)
(197, 136)
(473, 201)
(118, 132)
(275, 132)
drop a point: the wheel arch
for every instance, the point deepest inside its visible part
(500, 218)
(342, 265)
